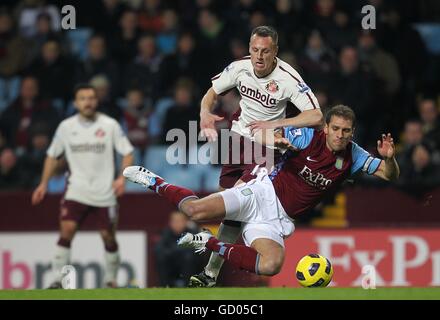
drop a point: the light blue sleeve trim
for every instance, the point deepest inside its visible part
(299, 137)
(362, 160)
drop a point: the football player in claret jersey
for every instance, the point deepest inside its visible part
(266, 85)
(87, 140)
(315, 162)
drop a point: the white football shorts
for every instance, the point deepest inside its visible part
(257, 206)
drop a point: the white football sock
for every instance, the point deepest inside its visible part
(112, 263)
(227, 234)
(61, 259)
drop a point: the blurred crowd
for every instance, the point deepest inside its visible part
(152, 60)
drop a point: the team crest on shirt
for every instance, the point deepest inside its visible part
(99, 133)
(339, 163)
(272, 86)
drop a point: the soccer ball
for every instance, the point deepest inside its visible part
(314, 270)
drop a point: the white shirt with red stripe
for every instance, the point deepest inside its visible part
(89, 150)
(263, 98)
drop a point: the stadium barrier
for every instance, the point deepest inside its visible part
(415, 260)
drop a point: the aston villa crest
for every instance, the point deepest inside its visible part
(272, 86)
(339, 163)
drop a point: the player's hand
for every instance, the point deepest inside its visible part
(385, 147)
(283, 143)
(39, 193)
(207, 125)
(119, 186)
(261, 125)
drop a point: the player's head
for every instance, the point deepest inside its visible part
(339, 127)
(85, 100)
(263, 48)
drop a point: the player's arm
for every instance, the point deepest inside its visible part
(273, 138)
(207, 118)
(388, 168)
(50, 166)
(119, 183)
(307, 118)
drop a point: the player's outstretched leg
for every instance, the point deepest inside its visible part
(175, 194)
(228, 232)
(240, 256)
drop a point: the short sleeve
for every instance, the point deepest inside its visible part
(362, 160)
(56, 148)
(299, 137)
(303, 97)
(121, 142)
(225, 80)
(300, 93)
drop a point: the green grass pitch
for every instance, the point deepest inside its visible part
(227, 294)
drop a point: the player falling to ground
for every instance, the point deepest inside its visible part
(266, 85)
(87, 140)
(315, 163)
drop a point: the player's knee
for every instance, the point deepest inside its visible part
(67, 233)
(108, 237)
(270, 267)
(194, 211)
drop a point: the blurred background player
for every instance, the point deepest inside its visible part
(315, 163)
(87, 140)
(176, 264)
(266, 85)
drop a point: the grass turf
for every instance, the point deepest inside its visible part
(226, 294)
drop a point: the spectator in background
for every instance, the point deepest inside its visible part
(135, 119)
(30, 10)
(33, 160)
(11, 177)
(238, 48)
(53, 71)
(175, 264)
(106, 103)
(420, 174)
(211, 41)
(183, 63)
(317, 61)
(142, 73)
(110, 12)
(97, 62)
(411, 137)
(44, 32)
(351, 86)
(383, 65)
(183, 110)
(167, 38)
(289, 20)
(25, 113)
(13, 48)
(429, 115)
(150, 17)
(412, 59)
(412, 134)
(124, 42)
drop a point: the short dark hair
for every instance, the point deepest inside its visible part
(342, 111)
(266, 31)
(82, 86)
